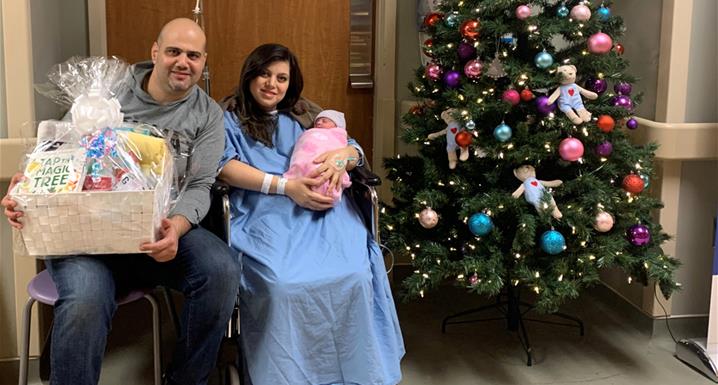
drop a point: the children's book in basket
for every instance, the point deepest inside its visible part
(94, 184)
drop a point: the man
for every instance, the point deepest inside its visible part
(186, 257)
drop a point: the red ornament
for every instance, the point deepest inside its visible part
(618, 48)
(428, 43)
(432, 19)
(416, 110)
(526, 95)
(470, 29)
(463, 139)
(606, 123)
(633, 183)
(511, 96)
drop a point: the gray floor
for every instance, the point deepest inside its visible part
(612, 352)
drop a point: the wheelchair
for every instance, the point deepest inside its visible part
(363, 194)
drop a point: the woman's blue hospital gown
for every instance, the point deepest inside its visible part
(316, 307)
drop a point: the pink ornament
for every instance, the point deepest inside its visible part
(523, 12)
(473, 280)
(433, 71)
(473, 68)
(570, 149)
(604, 222)
(580, 13)
(428, 218)
(600, 43)
(511, 96)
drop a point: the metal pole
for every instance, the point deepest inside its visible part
(199, 19)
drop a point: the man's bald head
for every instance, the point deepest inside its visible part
(182, 25)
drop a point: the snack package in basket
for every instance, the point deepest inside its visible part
(93, 184)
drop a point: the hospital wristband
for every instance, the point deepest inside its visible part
(281, 185)
(266, 183)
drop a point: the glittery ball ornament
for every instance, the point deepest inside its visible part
(452, 79)
(622, 101)
(433, 71)
(470, 125)
(603, 13)
(511, 96)
(463, 139)
(503, 132)
(633, 184)
(631, 124)
(570, 149)
(581, 13)
(523, 12)
(597, 85)
(606, 123)
(604, 149)
(543, 60)
(638, 235)
(552, 242)
(473, 68)
(470, 29)
(451, 20)
(603, 222)
(428, 218)
(543, 106)
(480, 224)
(599, 43)
(432, 19)
(465, 51)
(562, 11)
(623, 88)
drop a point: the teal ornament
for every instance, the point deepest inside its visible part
(480, 224)
(451, 20)
(502, 132)
(470, 125)
(552, 242)
(646, 180)
(603, 13)
(543, 60)
(562, 11)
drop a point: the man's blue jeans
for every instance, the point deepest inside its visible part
(205, 269)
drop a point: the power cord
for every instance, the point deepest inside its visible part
(655, 294)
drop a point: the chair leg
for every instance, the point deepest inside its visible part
(172, 309)
(156, 338)
(25, 353)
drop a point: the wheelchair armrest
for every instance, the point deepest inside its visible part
(362, 174)
(219, 189)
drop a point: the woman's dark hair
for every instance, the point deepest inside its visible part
(256, 122)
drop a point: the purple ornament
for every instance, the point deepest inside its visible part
(604, 149)
(623, 88)
(596, 85)
(622, 101)
(632, 124)
(452, 79)
(543, 107)
(466, 51)
(638, 235)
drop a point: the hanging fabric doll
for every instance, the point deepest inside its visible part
(452, 128)
(569, 96)
(534, 190)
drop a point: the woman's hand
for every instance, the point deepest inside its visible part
(13, 215)
(300, 190)
(333, 165)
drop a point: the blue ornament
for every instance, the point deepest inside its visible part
(470, 125)
(480, 224)
(646, 180)
(543, 60)
(562, 11)
(452, 20)
(502, 132)
(552, 242)
(603, 13)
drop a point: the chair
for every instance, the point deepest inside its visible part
(42, 289)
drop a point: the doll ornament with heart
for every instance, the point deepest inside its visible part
(534, 190)
(569, 95)
(452, 129)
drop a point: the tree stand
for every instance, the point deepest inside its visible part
(511, 308)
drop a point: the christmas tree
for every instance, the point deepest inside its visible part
(525, 174)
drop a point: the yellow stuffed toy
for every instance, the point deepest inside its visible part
(149, 150)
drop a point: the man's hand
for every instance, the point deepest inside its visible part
(300, 191)
(13, 216)
(165, 249)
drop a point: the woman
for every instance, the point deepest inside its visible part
(316, 307)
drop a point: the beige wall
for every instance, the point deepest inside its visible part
(3, 110)
(701, 104)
